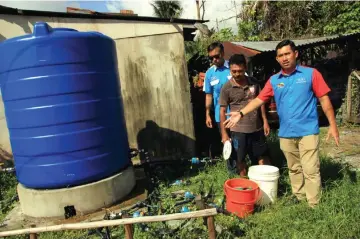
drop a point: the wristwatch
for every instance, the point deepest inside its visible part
(241, 114)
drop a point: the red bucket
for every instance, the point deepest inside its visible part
(241, 202)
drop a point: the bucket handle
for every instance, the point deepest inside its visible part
(257, 197)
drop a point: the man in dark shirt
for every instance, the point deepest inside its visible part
(248, 135)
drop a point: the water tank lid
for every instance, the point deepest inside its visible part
(42, 29)
(33, 50)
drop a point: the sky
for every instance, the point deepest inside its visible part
(215, 9)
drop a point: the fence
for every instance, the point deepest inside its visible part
(353, 98)
(207, 213)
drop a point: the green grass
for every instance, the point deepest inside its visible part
(7, 193)
(337, 216)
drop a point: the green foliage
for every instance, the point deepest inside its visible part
(7, 192)
(270, 20)
(248, 31)
(335, 217)
(347, 19)
(277, 20)
(252, 18)
(200, 47)
(167, 9)
(224, 34)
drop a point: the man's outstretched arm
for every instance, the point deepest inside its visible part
(264, 96)
(236, 116)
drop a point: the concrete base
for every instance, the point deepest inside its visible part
(85, 198)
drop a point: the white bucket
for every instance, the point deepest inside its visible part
(266, 177)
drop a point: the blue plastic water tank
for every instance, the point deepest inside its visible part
(63, 107)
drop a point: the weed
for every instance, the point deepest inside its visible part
(7, 192)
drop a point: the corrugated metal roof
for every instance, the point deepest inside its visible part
(270, 45)
(95, 15)
(231, 49)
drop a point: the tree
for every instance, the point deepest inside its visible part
(276, 20)
(342, 18)
(268, 20)
(200, 47)
(167, 9)
(201, 7)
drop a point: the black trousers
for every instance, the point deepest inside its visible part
(252, 144)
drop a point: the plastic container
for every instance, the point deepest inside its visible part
(63, 107)
(241, 202)
(184, 209)
(267, 178)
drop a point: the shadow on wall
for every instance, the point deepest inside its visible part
(22, 22)
(2, 38)
(6, 158)
(165, 144)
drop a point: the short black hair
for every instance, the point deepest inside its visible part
(237, 59)
(286, 43)
(215, 45)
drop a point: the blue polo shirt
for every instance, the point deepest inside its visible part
(296, 100)
(215, 78)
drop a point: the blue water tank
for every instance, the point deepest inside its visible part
(63, 107)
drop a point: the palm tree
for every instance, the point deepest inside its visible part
(167, 9)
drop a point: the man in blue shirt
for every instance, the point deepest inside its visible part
(296, 90)
(216, 76)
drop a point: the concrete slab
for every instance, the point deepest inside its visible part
(85, 198)
(17, 220)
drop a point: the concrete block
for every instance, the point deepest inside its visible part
(85, 198)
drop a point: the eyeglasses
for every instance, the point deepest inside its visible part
(211, 58)
(237, 71)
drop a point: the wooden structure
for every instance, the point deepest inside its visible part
(207, 214)
(353, 98)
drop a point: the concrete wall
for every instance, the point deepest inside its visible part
(153, 78)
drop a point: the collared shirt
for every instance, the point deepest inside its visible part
(296, 100)
(237, 97)
(215, 78)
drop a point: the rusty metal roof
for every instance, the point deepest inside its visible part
(231, 49)
(264, 46)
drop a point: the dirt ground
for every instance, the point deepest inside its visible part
(349, 148)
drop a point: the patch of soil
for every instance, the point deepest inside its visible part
(349, 148)
(353, 160)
